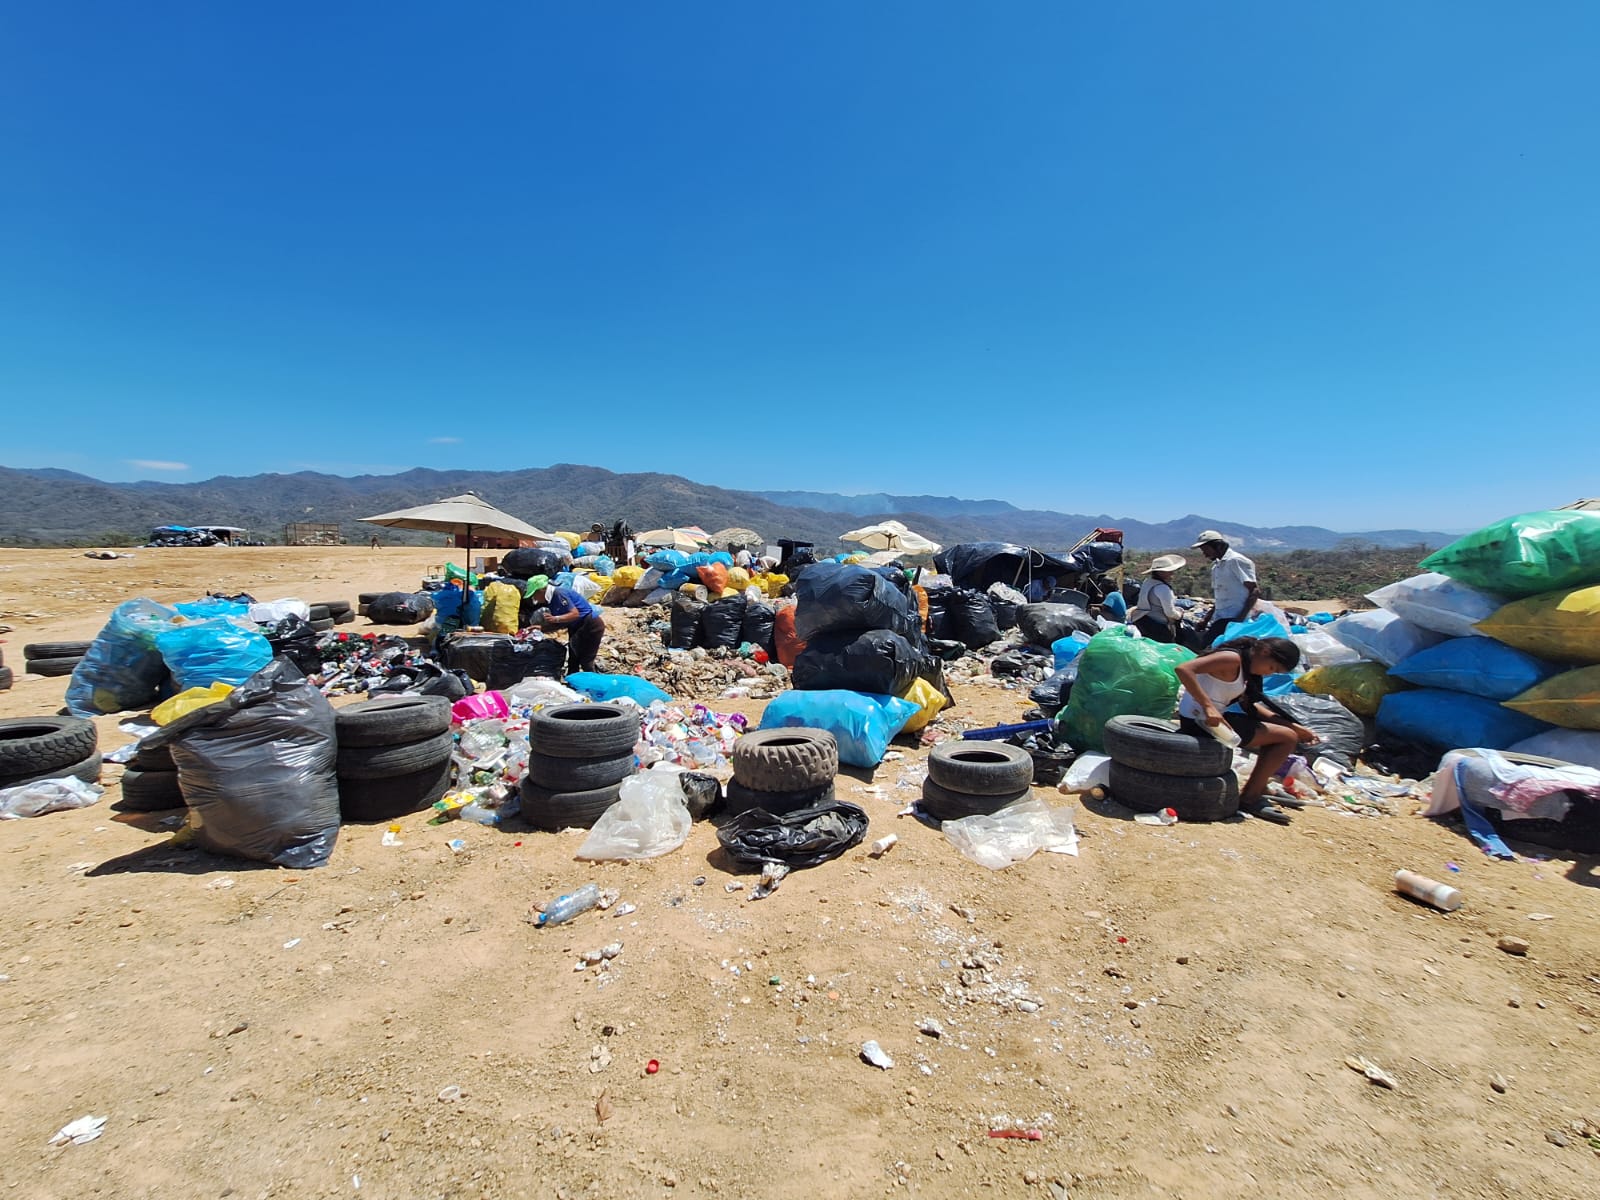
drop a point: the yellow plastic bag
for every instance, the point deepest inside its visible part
(1563, 626)
(501, 602)
(187, 702)
(627, 576)
(572, 539)
(603, 582)
(1359, 686)
(928, 699)
(1570, 700)
(738, 579)
(774, 583)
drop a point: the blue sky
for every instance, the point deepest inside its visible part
(1333, 264)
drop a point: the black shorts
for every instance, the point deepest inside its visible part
(1243, 724)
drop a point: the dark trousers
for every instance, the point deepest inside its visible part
(1217, 628)
(1154, 628)
(583, 643)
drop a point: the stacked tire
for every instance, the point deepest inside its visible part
(34, 748)
(335, 612)
(394, 756)
(5, 673)
(782, 770)
(1154, 766)
(976, 778)
(579, 754)
(150, 784)
(53, 658)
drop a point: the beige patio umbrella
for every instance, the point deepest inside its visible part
(689, 538)
(891, 535)
(466, 514)
(736, 535)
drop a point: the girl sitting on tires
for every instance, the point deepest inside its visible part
(1231, 673)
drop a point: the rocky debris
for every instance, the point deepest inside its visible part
(1516, 946)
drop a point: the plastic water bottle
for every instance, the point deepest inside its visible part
(1441, 895)
(1224, 733)
(564, 908)
(478, 814)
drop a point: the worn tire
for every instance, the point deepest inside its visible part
(386, 762)
(361, 610)
(942, 804)
(86, 769)
(334, 607)
(322, 625)
(1193, 798)
(34, 745)
(345, 617)
(318, 612)
(979, 768)
(583, 730)
(391, 720)
(543, 808)
(740, 798)
(52, 666)
(1155, 746)
(386, 799)
(150, 791)
(6, 678)
(559, 774)
(54, 650)
(790, 759)
(154, 758)
(368, 597)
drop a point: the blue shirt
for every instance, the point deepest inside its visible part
(565, 600)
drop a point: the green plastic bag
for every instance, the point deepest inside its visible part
(1525, 555)
(1120, 674)
(1359, 686)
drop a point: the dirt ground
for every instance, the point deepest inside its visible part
(258, 1032)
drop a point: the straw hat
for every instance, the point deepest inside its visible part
(1167, 562)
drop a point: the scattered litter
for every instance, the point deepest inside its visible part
(1541, 916)
(599, 1060)
(651, 1067)
(457, 844)
(1022, 1135)
(391, 836)
(873, 1053)
(1372, 1071)
(931, 1027)
(771, 876)
(883, 844)
(451, 1094)
(85, 1129)
(219, 885)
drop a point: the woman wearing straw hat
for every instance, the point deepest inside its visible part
(1156, 613)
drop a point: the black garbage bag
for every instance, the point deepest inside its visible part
(1043, 624)
(1339, 728)
(758, 625)
(877, 661)
(722, 623)
(295, 640)
(972, 621)
(806, 837)
(451, 685)
(529, 561)
(514, 661)
(400, 608)
(1052, 695)
(701, 793)
(685, 620)
(1096, 558)
(472, 652)
(257, 769)
(837, 596)
(947, 649)
(940, 622)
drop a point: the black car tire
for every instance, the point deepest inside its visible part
(789, 759)
(395, 796)
(154, 758)
(51, 667)
(6, 678)
(385, 762)
(392, 720)
(543, 808)
(979, 768)
(319, 612)
(86, 769)
(34, 745)
(942, 804)
(1193, 798)
(741, 798)
(1155, 746)
(55, 650)
(559, 774)
(583, 730)
(150, 791)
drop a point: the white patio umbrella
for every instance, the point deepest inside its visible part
(891, 535)
(690, 538)
(466, 514)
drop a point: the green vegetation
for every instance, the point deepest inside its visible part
(1347, 573)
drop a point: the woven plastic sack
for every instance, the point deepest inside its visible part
(862, 724)
(1526, 555)
(1440, 720)
(1478, 666)
(1120, 674)
(714, 576)
(1570, 700)
(1563, 626)
(1437, 602)
(1565, 745)
(626, 576)
(1359, 686)
(1382, 637)
(122, 668)
(1317, 649)
(501, 603)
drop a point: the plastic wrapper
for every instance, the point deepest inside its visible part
(270, 612)
(928, 699)
(1563, 626)
(219, 650)
(1382, 637)
(483, 704)
(1525, 555)
(1439, 720)
(597, 685)
(648, 820)
(1570, 699)
(1046, 624)
(1437, 602)
(47, 796)
(122, 668)
(1359, 686)
(191, 700)
(876, 660)
(1478, 666)
(806, 837)
(1087, 772)
(834, 597)
(1013, 834)
(257, 770)
(1317, 649)
(1120, 675)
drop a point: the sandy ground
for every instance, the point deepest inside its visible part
(258, 1032)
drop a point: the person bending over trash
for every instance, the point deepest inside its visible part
(1233, 672)
(1233, 583)
(584, 625)
(1156, 614)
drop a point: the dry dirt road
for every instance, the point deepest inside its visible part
(255, 1032)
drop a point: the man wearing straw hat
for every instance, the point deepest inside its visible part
(1156, 613)
(1233, 583)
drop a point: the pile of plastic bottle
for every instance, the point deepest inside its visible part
(696, 738)
(359, 662)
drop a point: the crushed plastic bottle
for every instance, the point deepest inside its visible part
(564, 908)
(1167, 816)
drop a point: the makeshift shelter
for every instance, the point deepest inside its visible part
(978, 564)
(892, 535)
(471, 520)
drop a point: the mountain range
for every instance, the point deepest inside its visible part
(52, 507)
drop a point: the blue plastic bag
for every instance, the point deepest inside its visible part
(862, 723)
(1478, 666)
(448, 603)
(1068, 648)
(212, 606)
(200, 653)
(122, 668)
(1262, 626)
(598, 685)
(667, 560)
(1441, 720)
(1115, 606)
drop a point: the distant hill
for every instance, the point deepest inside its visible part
(49, 507)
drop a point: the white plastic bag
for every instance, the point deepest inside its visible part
(47, 796)
(536, 693)
(270, 612)
(1580, 746)
(1382, 636)
(1013, 834)
(1439, 603)
(585, 586)
(1088, 771)
(1317, 649)
(648, 820)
